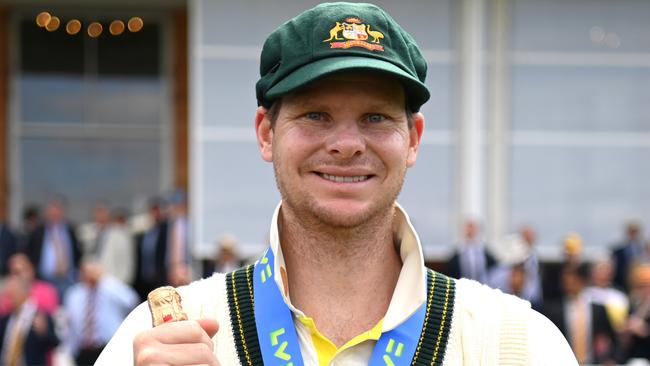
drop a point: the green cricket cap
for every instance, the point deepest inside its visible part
(335, 37)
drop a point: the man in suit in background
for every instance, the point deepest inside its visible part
(472, 259)
(96, 306)
(54, 249)
(585, 325)
(625, 253)
(26, 334)
(8, 246)
(151, 251)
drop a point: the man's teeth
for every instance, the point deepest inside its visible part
(338, 179)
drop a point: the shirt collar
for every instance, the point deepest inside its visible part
(410, 292)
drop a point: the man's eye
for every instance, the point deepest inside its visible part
(374, 118)
(315, 116)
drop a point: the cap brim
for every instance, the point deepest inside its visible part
(417, 93)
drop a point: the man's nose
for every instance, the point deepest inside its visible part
(346, 140)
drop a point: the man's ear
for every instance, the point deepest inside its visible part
(415, 136)
(264, 133)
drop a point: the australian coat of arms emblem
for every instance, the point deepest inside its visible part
(353, 32)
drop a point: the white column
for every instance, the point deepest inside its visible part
(196, 120)
(499, 137)
(471, 126)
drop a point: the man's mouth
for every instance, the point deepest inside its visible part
(346, 179)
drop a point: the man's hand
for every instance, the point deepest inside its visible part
(177, 343)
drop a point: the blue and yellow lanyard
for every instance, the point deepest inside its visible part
(277, 333)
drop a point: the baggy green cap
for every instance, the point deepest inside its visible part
(334, 37)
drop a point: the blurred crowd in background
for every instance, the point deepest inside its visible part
(67, 288)
(601, 305)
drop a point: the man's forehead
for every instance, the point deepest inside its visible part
(378, 86)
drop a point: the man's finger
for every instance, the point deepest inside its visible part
(210, 326)
(186, 331)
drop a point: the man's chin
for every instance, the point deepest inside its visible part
(344, 216)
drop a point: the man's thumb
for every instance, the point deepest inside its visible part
(210, 326)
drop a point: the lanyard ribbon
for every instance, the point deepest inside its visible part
(277, 334)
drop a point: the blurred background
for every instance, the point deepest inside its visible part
(138, 117)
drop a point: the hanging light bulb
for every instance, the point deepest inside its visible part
(95, 29)
(43, 18)
(53, 24)
(135, 24)
(73, 27)
(116, 27)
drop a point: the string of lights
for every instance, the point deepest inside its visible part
(94, 29)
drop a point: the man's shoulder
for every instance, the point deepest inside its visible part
(207, 295)
(475, 294)
(504, 327)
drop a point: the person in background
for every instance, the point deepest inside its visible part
(602, 291)
(53, 248)
(585, 325)
(636, 335)
(8, 246)
(472, 259)
(226, 258)
(626, 253)
(26, 334)
(179, 252)
(95, 308)
(572, 249)
(151, 251)
(109, 239)
(519, 250)
(533, 287)
(31, 221)
(42, 293)
(517, 285)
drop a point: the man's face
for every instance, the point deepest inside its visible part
(54, 212)
(340, 148)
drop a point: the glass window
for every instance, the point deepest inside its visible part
(89, 170)
(88, 86)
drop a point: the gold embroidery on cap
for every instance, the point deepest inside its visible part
(355, 34)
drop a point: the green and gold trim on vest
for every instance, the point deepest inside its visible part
(239, 285)
(441, 291)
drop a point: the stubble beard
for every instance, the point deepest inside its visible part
(312, 213)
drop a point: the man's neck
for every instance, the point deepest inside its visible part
(343, 279)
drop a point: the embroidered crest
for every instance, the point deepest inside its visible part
(355, 34)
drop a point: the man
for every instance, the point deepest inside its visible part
(344, 280)
(625, 253)
(584, 323)
(42, 294)
(53, 248)
(8, 246)
(636, 333)
(602, 291)
(26, 335)
(109, 239)
(150, 270)
(472, 259)
(179, 259)
(95, 307)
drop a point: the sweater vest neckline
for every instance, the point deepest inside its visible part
(433, 337)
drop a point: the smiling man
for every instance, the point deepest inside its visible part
(343, 281)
